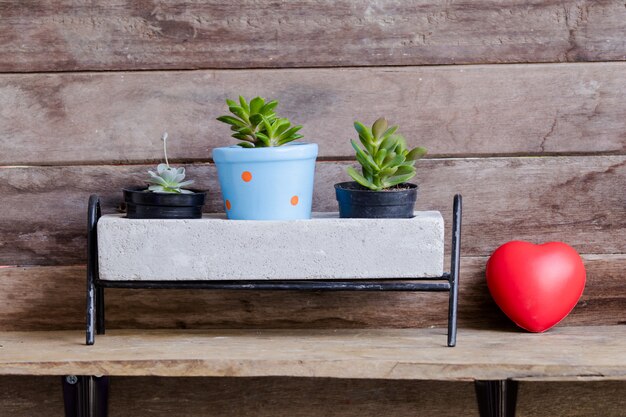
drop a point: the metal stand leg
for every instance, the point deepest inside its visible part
(91, 309)
(496, 398)
(85, 396)
(95, 296)
(100, 310)
(455, 269)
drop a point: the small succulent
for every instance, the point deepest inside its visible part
(257, 125)
(168, 179)
(385, 161)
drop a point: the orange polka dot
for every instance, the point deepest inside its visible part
(228, 205)
(294, 200)
(246, 176)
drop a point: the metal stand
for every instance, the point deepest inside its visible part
(85, 396)
(496, 398)
(95, 286)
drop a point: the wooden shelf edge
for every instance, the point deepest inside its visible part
(566, 353)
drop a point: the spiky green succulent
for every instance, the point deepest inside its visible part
(168, 179)
(385, 161)
(256, 125)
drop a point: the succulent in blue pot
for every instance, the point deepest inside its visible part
(256, 125)
(267, 175)
(165, 197)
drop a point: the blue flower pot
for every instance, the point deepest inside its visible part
(267, 183)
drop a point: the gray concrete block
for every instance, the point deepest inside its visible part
(325, 247)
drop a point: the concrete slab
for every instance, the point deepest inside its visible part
(325, 247)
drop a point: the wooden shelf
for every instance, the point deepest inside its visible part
(566, 353)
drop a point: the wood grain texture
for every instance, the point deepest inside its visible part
(53, 298)
(31, 396)
(37, 396)
(589, 399)
(126, 34)
(293, 397)
(563, 353)
(453, 111)
(574, 199)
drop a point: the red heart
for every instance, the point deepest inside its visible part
(536, 286)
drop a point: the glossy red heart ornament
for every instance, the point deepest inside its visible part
(536, 286)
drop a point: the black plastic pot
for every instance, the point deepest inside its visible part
(142, 204)
(356, 201)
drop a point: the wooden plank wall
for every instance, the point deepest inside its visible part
(519, 102)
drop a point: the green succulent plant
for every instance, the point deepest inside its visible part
(168, 179)
(385, 161)
(257, 125)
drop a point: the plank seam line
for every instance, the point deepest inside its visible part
(586, 256)
(252, 68)
(209, 161)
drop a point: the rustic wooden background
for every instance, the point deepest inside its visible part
(521, 104)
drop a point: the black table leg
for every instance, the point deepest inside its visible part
(85, 396)
(496, 398)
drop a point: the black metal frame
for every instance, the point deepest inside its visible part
(85, 396)
(95, 286)
(496, 398)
